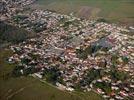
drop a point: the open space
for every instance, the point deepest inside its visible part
(121, 11)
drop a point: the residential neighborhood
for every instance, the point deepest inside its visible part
(73, 53)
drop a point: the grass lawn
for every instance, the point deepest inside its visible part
(29, 88)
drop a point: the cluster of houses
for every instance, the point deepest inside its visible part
(10, 7)
(75, 46)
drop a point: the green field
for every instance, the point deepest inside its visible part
(29, 88)
(114, 10)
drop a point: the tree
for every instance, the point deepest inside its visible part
(117, 75)
(91, 75)
(102, 63)
(114, 59)
(52, 75)
(102, 20)
(16, 71)
(104, 86)
(81, 54)
(25, 61)
(13, 34)
(125, 59)
(78, 85)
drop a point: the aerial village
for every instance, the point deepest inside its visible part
(74, 53)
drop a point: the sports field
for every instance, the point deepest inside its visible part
(114, 10)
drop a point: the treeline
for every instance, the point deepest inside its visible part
(13, 34)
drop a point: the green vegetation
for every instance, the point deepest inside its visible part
(88, 95)
(83, 54)
(118, 75)
(102, 20)
(9, 33)
(17, 18)
(52, 75)
(125, 59)
(29, 88)
(92, 75)
(104, 86)
(112, 10)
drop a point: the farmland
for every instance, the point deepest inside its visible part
(121, 11)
